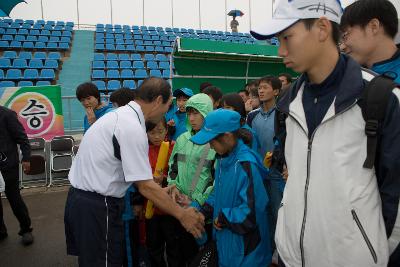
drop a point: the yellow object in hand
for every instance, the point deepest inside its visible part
(268, 159)
(158, 171)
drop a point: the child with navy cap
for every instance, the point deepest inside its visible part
(238, 203)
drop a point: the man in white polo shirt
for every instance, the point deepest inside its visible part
(113, 155)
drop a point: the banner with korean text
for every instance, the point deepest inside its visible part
(39, 109)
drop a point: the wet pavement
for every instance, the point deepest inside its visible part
(46, 208)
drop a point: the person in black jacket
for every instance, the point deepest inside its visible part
(11, 134)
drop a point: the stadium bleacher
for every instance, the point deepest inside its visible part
(33, 51)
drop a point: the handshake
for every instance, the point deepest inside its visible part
(191, 219)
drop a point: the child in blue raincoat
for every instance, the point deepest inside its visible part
(238, 204)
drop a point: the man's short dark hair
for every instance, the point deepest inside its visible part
(275, 83)
(361, 12)
(287, 76)
(243, 91)
(87, 89)
(308, 23)
(204, 86)
(122, 96)
(153, 87)
(214, 92)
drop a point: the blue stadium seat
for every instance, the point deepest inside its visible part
(11, 31)
(67, 34)
(161, 57)
(139, 82)
(48, 27)
(149, 48)
(164, 65)
(43, 39)
(54, 39)
(69, 24)
(136, 57)
(37, 27)
(111, 56)
(5, 63)
(120, 47)
(166, 74)
(52, 46)
(47, 74)
(43, 83)
(125, 64)
(54, 55)
(40, 45)
(155, 73)
(45, 32)
(25, 55)
(29, 21)
(141, 74)
(124, 57)
(168, 50)
(19, 38)
(31, 74)
(159, 49)
(2, 30)
(166, 43)
(15, 44)
(39, 55)
(129, 84)
(112, 64)
(137, 37)
(134, 27)
(127, 74)
(99, 47)
(25, 26)
(148, 43)
(1, 74)
(35, 64)
(99, 65)
(138, 65)
(139, 42)
(98, 74)
(10, 54)
(112, 74)
(4, 44)
(19, 64)
(152, 65)
(140, 48)
(28, 45)
(130, 48)
(149, 57)
(60, 23)
(13, 74)
(56, 33)
(31, 38)
(51, 64)
(101, 85)
(7, 84)
(113, 85)
(63, 46)
(25, 83)
(65, 39)
(34, 32)
(99, 56)
(58, 28)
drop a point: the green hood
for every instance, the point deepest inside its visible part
(200, 102)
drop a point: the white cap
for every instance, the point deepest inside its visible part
(288, 12)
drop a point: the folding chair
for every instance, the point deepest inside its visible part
(61, 156)
(35, 177)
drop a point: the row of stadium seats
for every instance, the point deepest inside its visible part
(133, 48)
(20, 63)
(32, 38)
(27, 74)
(113, 85)
(133, 57)
(36, 32)
(40, 22)
(129, 74)
(134, 41)
(111, 64)
(23, 83)
(29, 55)
(34, 45)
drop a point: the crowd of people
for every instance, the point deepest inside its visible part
(284, 172)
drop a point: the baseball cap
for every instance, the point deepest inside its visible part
(217, 122)
(183, 91)
(288, 12)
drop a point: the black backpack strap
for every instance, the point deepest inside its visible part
(375, 99)
(278, 157)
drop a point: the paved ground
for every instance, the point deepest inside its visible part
(46, 208)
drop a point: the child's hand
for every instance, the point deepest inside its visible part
(138, 211)
(217, 225)
(171, 123)
(184, 200)
(248, 105)
(90, 115)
